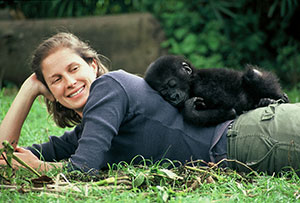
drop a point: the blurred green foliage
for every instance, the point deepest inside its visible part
(210, 33)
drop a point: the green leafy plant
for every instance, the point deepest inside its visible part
(210, 33)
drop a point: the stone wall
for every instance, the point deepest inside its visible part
(130, 41)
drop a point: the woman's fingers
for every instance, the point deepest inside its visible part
(46, 93)
(38, 87)
(25, 155)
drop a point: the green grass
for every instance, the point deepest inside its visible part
(154, 183)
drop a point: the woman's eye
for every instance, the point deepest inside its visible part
(75, 68)
(55, 80)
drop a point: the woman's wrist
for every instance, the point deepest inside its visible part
(34, 87)
(30, 88)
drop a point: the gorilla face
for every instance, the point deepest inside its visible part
(170, 76)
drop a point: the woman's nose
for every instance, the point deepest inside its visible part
(70, 81)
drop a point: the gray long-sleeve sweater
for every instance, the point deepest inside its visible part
(124, 117)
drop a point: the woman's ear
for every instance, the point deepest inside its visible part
(94, 65)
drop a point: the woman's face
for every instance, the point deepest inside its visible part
(69, 78)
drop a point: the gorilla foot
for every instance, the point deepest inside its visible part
(199, 103)
(285, 98)
(265, 102)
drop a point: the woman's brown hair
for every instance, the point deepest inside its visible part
(62, 116)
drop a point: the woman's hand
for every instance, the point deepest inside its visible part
(30, 159)
(37, 87)
(26, 156)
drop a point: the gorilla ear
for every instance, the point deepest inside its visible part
(186, 68)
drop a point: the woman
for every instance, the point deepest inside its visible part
(118, 116)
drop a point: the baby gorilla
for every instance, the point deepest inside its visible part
(214, 95)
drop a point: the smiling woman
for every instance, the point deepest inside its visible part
(64, 43)
(69, 78)
(117, 116)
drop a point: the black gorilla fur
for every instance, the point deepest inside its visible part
(213, 95)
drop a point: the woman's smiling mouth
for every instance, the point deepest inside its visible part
(76, 93)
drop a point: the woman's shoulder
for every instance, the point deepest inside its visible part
(122, 76)
(120, 73)
(129, 86)
(128, 81)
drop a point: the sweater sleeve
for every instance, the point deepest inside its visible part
(102, 116)
(57, 148)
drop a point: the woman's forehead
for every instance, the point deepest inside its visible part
(59, 60)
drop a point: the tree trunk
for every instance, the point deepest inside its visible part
(130, 41)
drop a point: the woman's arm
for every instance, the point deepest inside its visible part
(12, 123)
(33, 161)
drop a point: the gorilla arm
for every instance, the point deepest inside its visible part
(205, 117)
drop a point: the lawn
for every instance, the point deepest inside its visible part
(125, 182)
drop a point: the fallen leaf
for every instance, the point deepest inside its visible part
(41, 181)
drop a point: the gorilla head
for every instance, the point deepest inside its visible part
(170, 76)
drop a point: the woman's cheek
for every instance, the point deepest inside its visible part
(56, 90)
